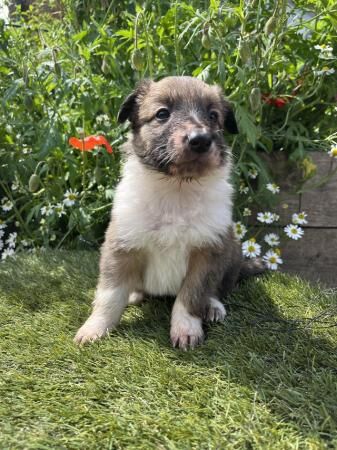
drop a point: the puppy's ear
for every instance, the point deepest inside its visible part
(230, 121)
(130, 106)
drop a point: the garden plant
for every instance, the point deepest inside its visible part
(65, 68)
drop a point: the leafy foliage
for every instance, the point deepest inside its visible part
(65, 69)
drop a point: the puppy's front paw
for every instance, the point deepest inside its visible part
(94, 328)
(186, 330)
(216, 311)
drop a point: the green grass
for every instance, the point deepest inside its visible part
(265, 379)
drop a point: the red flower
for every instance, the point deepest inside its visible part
(279, 102)
(88, 143)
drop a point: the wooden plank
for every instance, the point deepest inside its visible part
(314, 257)
(321, 202)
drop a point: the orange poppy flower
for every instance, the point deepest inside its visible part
(88, 143)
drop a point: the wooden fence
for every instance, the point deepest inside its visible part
(314, 257)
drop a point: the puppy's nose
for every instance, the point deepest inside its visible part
(199, 141)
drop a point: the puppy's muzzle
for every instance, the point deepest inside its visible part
(199, 141)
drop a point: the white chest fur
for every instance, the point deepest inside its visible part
(166, 219)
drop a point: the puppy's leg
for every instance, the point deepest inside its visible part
(197, 298)
(120, 275)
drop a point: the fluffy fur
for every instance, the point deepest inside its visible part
(171, 224)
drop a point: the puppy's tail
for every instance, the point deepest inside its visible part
(251, 267)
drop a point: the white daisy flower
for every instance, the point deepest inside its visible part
(252, 173)
(272, 260)
(272, 187)
(276, 217)
(324, 71)
(300, 218)
(6, 253)
(265, 217)
(103, 119)
(251, 249)
(1, 233)
(243, 189)
(272, 239)
(1, 244)
(15, 186)
(247, 212)
(239, 230)
(2, 225)
(11, 240)
(59, 209)
(70, 197)
(333, 151)
(47, 210)
(325, 51)
(293, 231)
(323, 48)
(6, 204)
(24, 243)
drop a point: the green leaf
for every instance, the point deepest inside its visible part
(246, 124)
(79, 36)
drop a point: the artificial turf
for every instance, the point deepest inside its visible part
(264, 379)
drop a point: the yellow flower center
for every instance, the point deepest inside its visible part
(334, 152)
(273, 259)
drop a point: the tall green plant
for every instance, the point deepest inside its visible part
(64, 73)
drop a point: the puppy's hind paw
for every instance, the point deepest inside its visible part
(216, 311)
(135, 298)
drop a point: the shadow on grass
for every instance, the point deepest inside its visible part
(35, 281)
(272, 348)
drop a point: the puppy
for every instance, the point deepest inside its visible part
(170, 231)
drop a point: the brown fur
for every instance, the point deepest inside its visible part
(165, 147)
(212, 272)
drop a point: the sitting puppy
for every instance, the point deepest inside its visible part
(171, 224)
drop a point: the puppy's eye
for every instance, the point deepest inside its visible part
(213, 115)
(162, 114)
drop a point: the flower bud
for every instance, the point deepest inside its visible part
(206, 41)
(105, 66)
(33, 183)
(270, 25)
(244, 51)
(137, 60)
(255, 99)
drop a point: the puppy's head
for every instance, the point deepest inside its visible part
(178, 125)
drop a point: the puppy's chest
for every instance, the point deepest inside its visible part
(166, 225)
(173, 220)
(168, 238)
